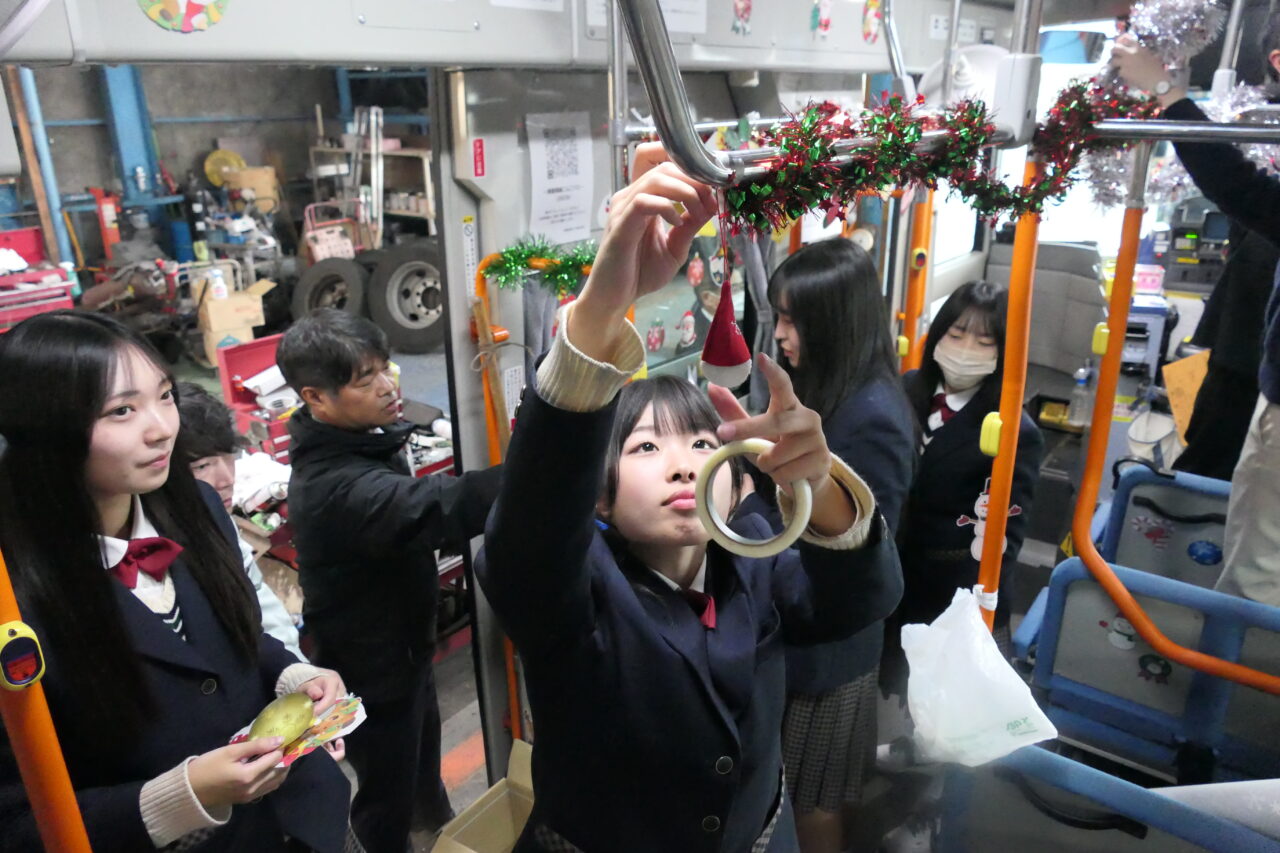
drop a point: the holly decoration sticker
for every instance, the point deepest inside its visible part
(184, 16)
(872, 19)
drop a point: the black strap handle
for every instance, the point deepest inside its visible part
(1135, 460)
(1204, 518)
(1096, 822)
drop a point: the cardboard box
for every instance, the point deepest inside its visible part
(240, 309)
(493, 822)
(218, 338)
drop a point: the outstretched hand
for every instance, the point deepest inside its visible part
(1137, 66)
(799, 446)
(652, 223)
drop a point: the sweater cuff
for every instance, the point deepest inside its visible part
(295, 675)
(171, 810)
(573, 381)
(863, 501)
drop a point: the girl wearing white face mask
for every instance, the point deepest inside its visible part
(956, 386)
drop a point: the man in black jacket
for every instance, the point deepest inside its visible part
(367, 531)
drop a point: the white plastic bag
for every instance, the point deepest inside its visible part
(968, 704)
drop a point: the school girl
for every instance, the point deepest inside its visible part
(127, 570)
(954, 389)
(654, 661)
(832, 331)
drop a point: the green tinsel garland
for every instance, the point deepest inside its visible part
(563, 276)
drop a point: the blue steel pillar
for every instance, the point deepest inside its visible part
(40, 136)
(131, 134)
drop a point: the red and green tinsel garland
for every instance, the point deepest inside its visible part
(561, 270)
(803, 176)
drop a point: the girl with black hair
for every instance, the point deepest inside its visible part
(832, 331)
(654, 659)
(957, 385)
(126, 568)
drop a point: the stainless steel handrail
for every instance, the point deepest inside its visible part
(1231, 36)
(656, 61)
(1185, 131)
(640, 131)
(949, 54)
(902, 83)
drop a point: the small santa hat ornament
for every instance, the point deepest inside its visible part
(726, 360)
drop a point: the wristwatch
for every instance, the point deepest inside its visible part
(1163, 87)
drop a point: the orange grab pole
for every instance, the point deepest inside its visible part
(1017, 330)
(917, 278)
(496, 426)
(1095, 460)
(35, 747)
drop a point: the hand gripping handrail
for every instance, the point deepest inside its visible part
(1095, 460)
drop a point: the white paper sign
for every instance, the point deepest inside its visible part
(539, 5)
(560, 175)
(682, 16)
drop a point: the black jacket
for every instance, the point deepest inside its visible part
(873, 431)
(367, 532)
(203, 693)
(1251, 198)
(653, 733)
(937, 530)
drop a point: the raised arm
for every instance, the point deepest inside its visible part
(534, 565)
(1221, 172)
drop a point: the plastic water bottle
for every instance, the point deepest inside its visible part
(217, 284)
(1081, 408)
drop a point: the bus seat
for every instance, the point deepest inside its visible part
(1068, 304)
(1035, 799)
(1105, 688)
(1169, 524)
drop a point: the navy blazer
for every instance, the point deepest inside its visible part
(873, 431)
(653, 733)
(936, 533)
(203, 693)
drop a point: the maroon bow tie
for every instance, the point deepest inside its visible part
(153, 555)
(940, 405)
(702, 604)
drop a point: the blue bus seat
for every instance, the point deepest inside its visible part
(1106, 689)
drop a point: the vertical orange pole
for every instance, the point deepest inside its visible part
(35, 746)
(1017, 330)
(917, 279)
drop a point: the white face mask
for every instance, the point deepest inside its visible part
(962, 367)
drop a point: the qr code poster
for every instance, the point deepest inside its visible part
(561, 179)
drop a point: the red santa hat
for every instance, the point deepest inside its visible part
(726, 360)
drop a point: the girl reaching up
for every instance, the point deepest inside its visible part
(654, 660)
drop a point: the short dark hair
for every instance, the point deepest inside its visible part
(678, 407)
(206, 425)
(327, 348)
(833, 297)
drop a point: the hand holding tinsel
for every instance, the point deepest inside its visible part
(561, 271)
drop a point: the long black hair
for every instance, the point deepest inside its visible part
(56, 370)
(832, 294)
(988, 306)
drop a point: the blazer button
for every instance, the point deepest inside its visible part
(710, 823)
(209, 686)
(724, 765)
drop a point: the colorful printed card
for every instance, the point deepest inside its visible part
(344, 717)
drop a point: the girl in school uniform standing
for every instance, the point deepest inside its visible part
(654, 660)
(833, 338)
(127, 570)
(952, 392)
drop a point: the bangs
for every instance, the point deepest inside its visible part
(977, 322)
(120, 372)
(683, 413)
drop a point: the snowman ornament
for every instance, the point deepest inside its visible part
(979, 521)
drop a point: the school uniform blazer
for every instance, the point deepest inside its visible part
(935, 536)
(203, 693)
(873, 431)
(653, 732)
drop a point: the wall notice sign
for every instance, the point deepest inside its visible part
(470, 255)
(512, 385)
(536, 5)
(560, 173)
(477, 157)
(682, 16)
